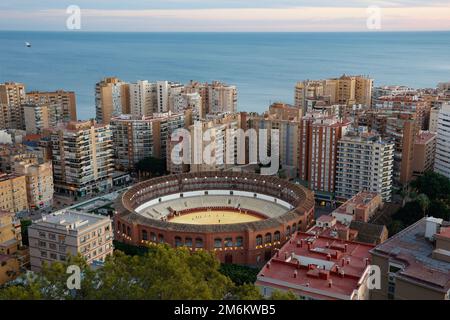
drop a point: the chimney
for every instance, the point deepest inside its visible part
(342, 273)
(298, 243)
(329, 257)
(348, 260)
(343, 262)
(330, 283)
(309, 246)
(345, 247)
(295, 273)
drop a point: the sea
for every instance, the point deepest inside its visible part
(264, 66)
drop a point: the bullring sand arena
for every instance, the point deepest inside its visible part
(215, 217)
(243, 218)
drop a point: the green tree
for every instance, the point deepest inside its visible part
(283, 295)
(424, 202)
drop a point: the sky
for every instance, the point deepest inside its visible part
(226, 15)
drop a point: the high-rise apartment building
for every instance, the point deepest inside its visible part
(38, 179)
(286, 119)
(442, 159)
(434, 116)
(112, 98)
(318, 144)
(64, 100)
(64, 233)
(401, 129)
(346, 90)
(217, 97)
(364, 163)
(12, 95)
(184, 101)
(137, 138)
(424, 152)
(13, 193)
(82, 158)
(42, 116)
(210, 143)
(143, 98)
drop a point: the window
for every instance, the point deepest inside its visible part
(44, 254)
(178, 242)
(53, 256)
(199, 243)
(258, 240)
(119, 226)
(161, 238)
(129, 231)
(144, 235)
(228, 242)
(153, 236)
(124, 228)
(277, 236)
(288, 231)
(268, 238)
(52, 236)
(52, 246)
(41, 234)
(217, 243)
(42, 244)
(239, 242)
(188, 242)
(294, 228)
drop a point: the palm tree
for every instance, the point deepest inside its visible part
(424, 202)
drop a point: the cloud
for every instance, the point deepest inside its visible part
(312, 18)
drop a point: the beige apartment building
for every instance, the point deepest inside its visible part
(12, 95)
(38, 178)
(13, 193)
(286, 119)
(209, 140)
(39, 117)
(59, 235)
(216, 97)
(137, 138)
(64, 100)
(346, 90)
(415, 263)
(424, 152)
(434, 116)
(12, 255)
(82, 158)
(112, 98)
(362, 207)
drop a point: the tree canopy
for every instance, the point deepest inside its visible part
(162, 273)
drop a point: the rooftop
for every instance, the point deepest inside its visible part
(425, 137)
(318, 266)
(360, 201)
(70, 220)
(414, 251)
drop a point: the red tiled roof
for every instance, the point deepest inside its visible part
(316, 264)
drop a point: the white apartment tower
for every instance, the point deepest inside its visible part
(364, 163)
(442, 160)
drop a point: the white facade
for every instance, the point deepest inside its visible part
(64, 233)
(142, 98)
(442, 160)
(364, 163)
